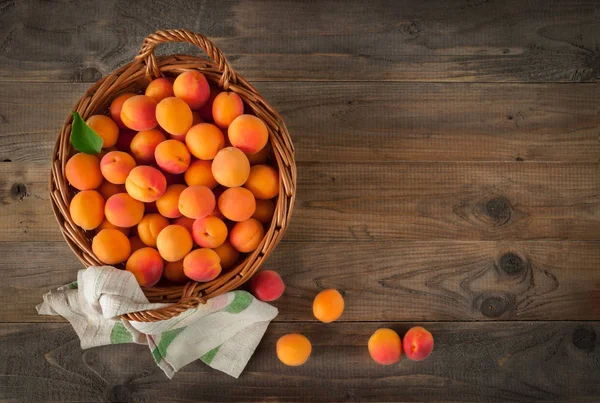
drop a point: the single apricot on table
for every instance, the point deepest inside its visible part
(418, 343)
(328, 305)
(111, 246)
(267, 285)
(174, 242)
(146, 265)
(293, 349)
(385, 346)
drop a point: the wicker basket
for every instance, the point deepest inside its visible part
(134, 77)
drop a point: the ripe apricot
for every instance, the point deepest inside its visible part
(267, 285)
(111, 246)
(143, 145)
(385, 346)
(168, 203)
(173, 271)
(83, 171)
(263, 182)
(172, 156)
(149, 228)
(116, 165)
(204, 141)
(87, 209)
(293, 349)
(196, 202)
(139, 113)
(146, 266)
(245, 236)
(226, 107)
(174, 116)
(159, 89)
(418, 343)
(108, 189)
(209, 232)
(248, 133)
(202, 265)
(237, 204)
(174, 242)
(231, 167)
(200, 173)
(328, 305)
(186, 222)
(192, 87)
(145, 183)
(264, 211)
(123, 210)
(105, 224)
(116, 106)
(260, 157)
(106, 128)
(228, 254)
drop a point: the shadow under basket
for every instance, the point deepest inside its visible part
(134, 77)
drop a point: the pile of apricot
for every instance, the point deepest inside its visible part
(183, 185)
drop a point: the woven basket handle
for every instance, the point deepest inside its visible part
(146, 53)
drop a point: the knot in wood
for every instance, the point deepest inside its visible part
(494, 307)
(498, 209)
(18, 191)
(511, 263)
(584, 338)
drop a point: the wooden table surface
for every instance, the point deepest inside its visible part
(448, 175)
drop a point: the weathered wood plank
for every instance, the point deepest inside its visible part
(388, 281)
(370, 121)
(382, 40)
(385, 201)
(471, 362)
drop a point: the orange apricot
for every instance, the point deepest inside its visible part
(209, 232)
(385, 346)
(111, 246)
(186, 222)
(226, 107)
(228, 254)
(196, 202)
(106, 128)
(172, 156)
(204, 141)
(87, 209)
(149, 228)
(139, 113)
(267, 285)
(174, 116)
(293, 349)
(231, 167)
(83, 171)
(116, 106)
(192, 87)
(200, 173)
(168, 203)
(202, 265)
(107, 225)
(260, 157)
(237, 204)
(264, 211)
(328, 305)
(159, 89)
(245, 236)
(248, 133)
(123, 210)
(173, 272)
(108, 189)
(174, 242)
(418, 343)
(146, 265)
(145, 183)
(116, 165)
(144, 144)
(263, 182)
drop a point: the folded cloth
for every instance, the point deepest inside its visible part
(223, 333)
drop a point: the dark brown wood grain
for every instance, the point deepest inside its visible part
(471, 362)
(406, 40)
(383, 281)
(359, 122)
(385, 201)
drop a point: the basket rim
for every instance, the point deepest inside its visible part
(96, 99)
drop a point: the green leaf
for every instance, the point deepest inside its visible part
(83, 137)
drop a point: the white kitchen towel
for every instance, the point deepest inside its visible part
(223, 333)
